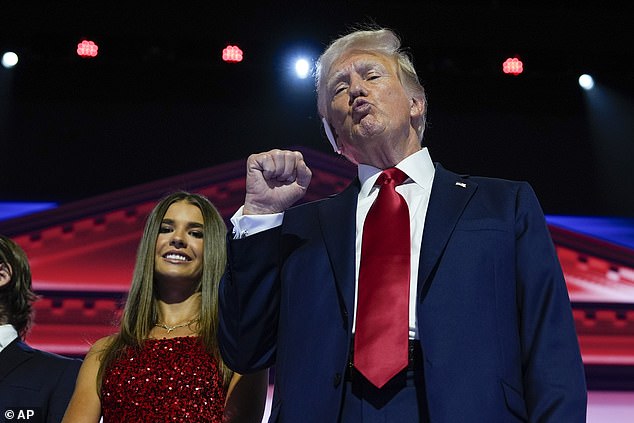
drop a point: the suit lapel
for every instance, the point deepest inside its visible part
(12, 356)
(449, 195)
(338, 224)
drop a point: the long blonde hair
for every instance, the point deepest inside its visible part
(141, 311)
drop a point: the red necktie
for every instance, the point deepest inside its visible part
(382, 325)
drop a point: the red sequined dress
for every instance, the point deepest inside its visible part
(167, 380)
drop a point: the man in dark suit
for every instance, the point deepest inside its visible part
(35, 386)
(488, 325)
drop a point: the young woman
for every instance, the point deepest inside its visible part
(164, 363)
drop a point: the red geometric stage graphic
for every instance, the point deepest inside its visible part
(82, 255)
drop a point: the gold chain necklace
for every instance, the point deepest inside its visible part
(171, 328)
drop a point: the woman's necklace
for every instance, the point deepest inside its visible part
(171, 328)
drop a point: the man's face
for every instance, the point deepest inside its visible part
(369, 109)
(5, 274)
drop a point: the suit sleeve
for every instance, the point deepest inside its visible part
(554, 380)
(63, 390)
(249, 298)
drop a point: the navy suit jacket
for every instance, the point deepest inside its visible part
(493, 311)
(35, 380)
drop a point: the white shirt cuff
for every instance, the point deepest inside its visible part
(251, 224)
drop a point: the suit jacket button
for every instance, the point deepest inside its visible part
(336, 380)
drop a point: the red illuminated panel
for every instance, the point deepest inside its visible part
(601, 292)
(592, 279)
(606, 337)
(513, 66)
(87, 49)
(232, 54)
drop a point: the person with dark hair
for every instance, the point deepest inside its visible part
(164, 363)
(415, 294)
(33, 383)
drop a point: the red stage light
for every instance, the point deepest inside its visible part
(87, 49)
(513, 65)
(232, 54)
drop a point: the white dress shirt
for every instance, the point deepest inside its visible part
(7, 335)
(415, 190)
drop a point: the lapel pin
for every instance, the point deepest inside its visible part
(461, 184)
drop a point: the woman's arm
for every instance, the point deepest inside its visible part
(85, 404)
(246, 398)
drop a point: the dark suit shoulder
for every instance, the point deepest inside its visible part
(497, 182)
(495, 186)
(52, 357)
(46, 359)
(44, 354)
(486, 180)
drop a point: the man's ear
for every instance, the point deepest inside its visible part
(5, 274)
(417, 107)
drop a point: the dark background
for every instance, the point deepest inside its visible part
(158, 101)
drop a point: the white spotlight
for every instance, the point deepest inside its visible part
(9, 59)
(302, 68)
(586, 82)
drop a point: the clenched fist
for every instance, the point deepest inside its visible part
(276, 180)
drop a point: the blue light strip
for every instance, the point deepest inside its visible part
(617, 230)
(11, 209)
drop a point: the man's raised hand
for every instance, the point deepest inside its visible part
(276, 179)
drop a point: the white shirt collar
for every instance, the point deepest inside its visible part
(7, 335)
(418, 166)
